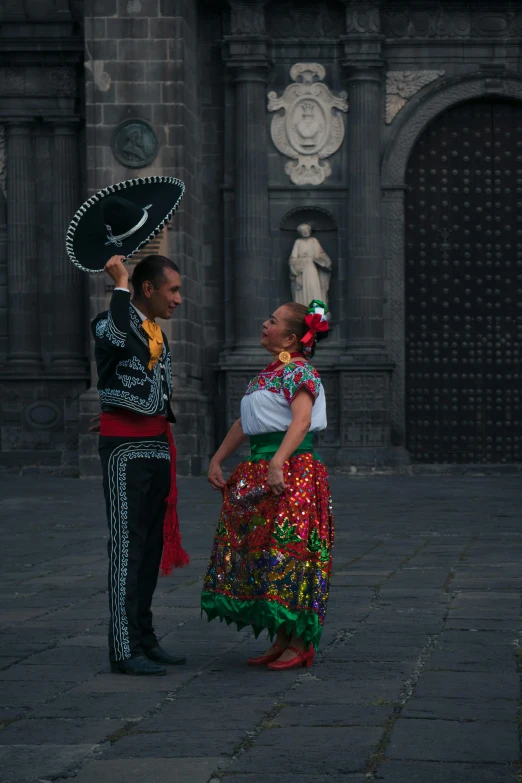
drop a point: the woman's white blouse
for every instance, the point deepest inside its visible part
(266, 404)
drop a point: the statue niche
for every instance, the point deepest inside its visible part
(310, 268)
(309, 260)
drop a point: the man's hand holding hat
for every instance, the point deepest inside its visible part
(116, 269)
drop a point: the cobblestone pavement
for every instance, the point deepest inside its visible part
(416, 678)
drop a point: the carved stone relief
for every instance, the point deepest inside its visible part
(448, 23)
(362, 18)
(63, 81)
(365, 405)
(308, 126)
(297, 19)
(402, 85)
(247, 17)
(14, 81)
(135, 143)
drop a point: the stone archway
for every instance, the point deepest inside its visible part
(410, 123)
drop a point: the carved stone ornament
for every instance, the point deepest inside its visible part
(135, 144)
(308, 126)
(300, 19)
(362, 18)
(63, 81)
(402, 85)
(460, 22)
(247, 18)
(14, 80)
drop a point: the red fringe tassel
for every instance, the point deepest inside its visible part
(174, 556)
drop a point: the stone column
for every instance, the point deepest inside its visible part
(364, 274)
(3, 278)
(363, 65)
(22, 267)
(68, 281)
(247, 60)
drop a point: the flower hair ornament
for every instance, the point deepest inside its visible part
(317, 324)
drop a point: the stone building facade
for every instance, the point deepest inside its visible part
(400, 142)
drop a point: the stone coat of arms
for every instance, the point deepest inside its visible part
(308, 126)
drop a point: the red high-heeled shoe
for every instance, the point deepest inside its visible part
(264, 659)
(302, 658)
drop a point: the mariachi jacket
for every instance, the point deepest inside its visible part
(121, 350)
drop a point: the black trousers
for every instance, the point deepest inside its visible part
(136, 482)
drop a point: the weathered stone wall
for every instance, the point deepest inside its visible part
(141, 62)
(43, 367)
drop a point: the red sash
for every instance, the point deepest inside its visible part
(125, 424)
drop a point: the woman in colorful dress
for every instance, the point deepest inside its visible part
(271, 561)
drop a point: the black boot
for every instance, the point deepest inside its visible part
(159, 655)
(139, 666)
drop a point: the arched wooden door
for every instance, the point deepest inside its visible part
(463, 287)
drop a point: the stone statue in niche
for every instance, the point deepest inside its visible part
(310, 268)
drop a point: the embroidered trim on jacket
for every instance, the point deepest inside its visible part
(107, 328)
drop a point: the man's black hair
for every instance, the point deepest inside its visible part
(151, 268)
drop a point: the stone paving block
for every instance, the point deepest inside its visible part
(44, 673)
(431, 772)
(472, 685)
(462, 709)
(311, 749)
(18, 694)
(333, 715)
(123, 683)
(360, 671)
(178, 770)
(317, 692)
(493, 611)
(473, 661)
(46, 731)
(123, 706)
(254, 682)
(479, 624)
(13, 616)
(372, 646)
(21, 763)
(93, 659)
(85, 641)
(441, 740)
(206, 741)
(232, 713)
(456, 641)
(6, 661)
(402, 625)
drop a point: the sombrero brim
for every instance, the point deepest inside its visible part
(86, 235)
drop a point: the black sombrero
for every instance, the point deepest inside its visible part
(121, 219)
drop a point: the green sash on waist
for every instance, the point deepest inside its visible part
(265, 446)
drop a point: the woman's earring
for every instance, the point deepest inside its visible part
(284, 357)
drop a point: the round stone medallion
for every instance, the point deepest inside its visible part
(135, 144)
(42, 415)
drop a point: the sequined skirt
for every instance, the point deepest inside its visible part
(271, 560)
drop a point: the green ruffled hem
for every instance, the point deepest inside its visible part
(261, 615)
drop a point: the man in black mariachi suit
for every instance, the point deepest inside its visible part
(134, 385)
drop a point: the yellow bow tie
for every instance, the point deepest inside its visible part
(155, 341)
